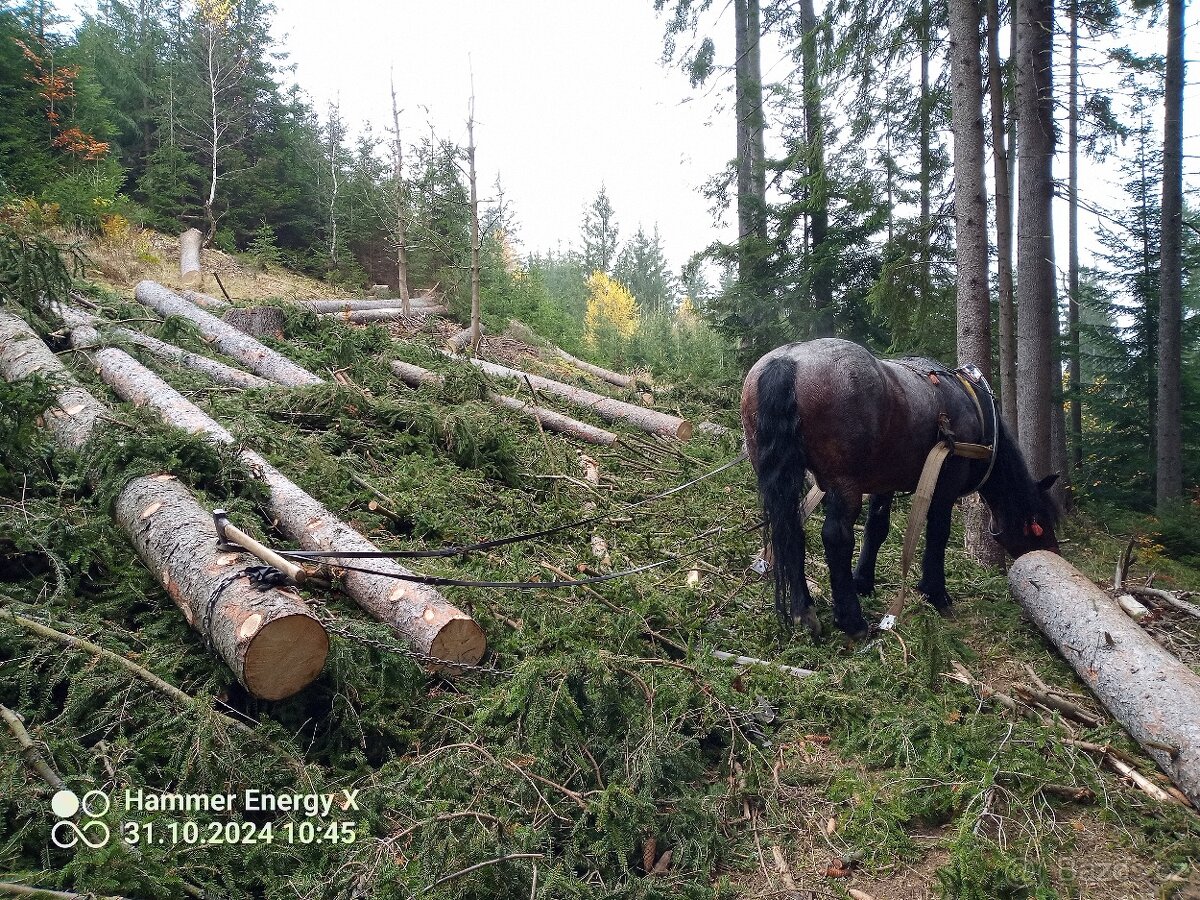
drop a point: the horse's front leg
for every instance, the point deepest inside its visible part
(879, 520)
(933, 566)
(841, 512)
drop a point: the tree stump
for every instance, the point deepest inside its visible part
(256, 321)
(190, 273)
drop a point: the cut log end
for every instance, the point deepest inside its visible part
(460, 640)
(684, 431)
(284, 656)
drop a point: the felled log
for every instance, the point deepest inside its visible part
(366, 316)
(417, 613)
(256, 321)
(189, 257)
(460, 340)
(217, 371)
(270, 640)
(205, 301)
(614, 410)
(415, 376)
(1150, 692)
(712, 429)
(23, 354)
(626, 381)
(254, 356)
(416, 304)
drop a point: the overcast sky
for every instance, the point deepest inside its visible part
(569, 94)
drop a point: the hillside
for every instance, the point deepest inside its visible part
(600, 750)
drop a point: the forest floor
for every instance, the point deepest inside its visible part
(602, 751)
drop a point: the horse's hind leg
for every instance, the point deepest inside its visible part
(933, 566)
(841, 511)
(879, 519)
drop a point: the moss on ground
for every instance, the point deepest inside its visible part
(601, 737)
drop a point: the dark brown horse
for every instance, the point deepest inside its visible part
(863, 425)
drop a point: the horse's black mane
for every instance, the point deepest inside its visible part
(1011, 493)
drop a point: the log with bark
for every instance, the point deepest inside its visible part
(626, 381)
(415, 376)
(217, 371)
(417, 613)
(269, 639)
(461, 340)
(1150, 692)
(417, 304)
(614, 410)
(22, 354)
(228, 340)
(205, 301)
(189, 257)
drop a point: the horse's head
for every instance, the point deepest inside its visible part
(1034, 530)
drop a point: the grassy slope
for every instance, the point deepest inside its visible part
(596, 743)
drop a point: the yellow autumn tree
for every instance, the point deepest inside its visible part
(610, 308)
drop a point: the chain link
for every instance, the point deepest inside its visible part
(330, 622)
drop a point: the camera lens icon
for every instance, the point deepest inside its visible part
(93, 833)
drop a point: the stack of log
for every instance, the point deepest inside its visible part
(269, 639)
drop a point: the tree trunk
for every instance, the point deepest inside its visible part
(626, 381)
(970, 232)
(218, 372)
(462, 339)
(415, 376)
(1004, 255)
(1035, 246)
(613, 410)
(1074, 389)
(476, 332)
(1151, 693)
(417, 613)
(925, 175)
(256, 321)
(22, 354)
(818, 197)
(246, 350)
(190, 273)
(269, 639)
(401, 241)
(1169, 455)
(751, 173)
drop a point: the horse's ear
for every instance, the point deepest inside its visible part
(1046, 483)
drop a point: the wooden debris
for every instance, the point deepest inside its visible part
(1151, 693)
(416, 304)
(257, 358)
(1166, 597)
(752, 661)
(367, 316)
(460, 340)
(1133, 609)
(614, 410)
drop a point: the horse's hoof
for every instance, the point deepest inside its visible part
(857, 637)
(811, 623)
(864, 587)
(941, 600)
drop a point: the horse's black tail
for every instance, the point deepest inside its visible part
(781, 465)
